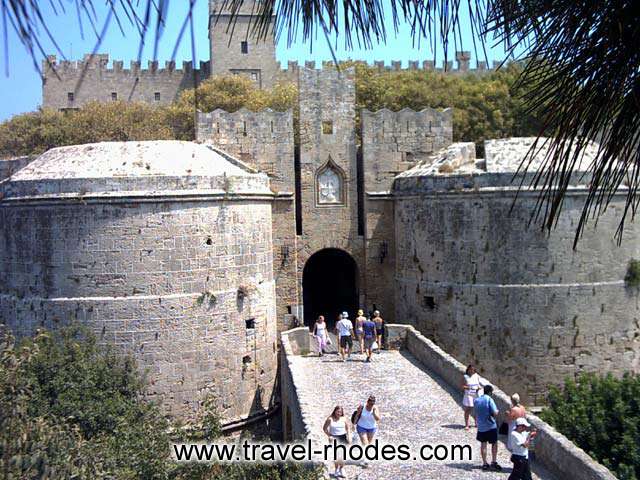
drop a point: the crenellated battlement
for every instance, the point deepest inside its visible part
(99, 62)
(263, 139)
(462, 65)
(393, 142)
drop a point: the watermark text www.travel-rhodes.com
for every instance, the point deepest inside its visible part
(308, 452)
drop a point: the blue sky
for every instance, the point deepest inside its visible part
(21, 89)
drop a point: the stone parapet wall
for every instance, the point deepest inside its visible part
(555, 451)
(425, 181)
(294, 425)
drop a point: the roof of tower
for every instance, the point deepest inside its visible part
(149, 167)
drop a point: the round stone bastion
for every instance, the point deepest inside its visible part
(476, 273)
(164, 250)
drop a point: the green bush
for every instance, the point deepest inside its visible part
(602, 416)
(71, 409)
(36, 132)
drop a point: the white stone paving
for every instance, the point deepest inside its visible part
(416, 409)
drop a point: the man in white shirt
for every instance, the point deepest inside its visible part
(520, 441)
(344, 328)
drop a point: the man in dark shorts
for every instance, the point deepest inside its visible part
(485, 412)
(344, 328)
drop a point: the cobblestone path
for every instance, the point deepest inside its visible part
(416, 409)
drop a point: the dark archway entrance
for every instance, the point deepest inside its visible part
(329, 285)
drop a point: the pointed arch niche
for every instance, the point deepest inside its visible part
(330, 188)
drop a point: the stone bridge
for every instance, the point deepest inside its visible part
(417, 388)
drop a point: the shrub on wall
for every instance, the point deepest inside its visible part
(71, 409)
(602, 416)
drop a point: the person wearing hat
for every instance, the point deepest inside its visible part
(520, 441)
(344, 329)
(360, 319)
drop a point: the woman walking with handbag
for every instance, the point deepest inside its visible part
(367, 420)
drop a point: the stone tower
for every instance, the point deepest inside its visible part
(237, 46)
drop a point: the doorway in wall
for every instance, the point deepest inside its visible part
(329, 286)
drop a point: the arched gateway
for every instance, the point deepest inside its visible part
(329, 285)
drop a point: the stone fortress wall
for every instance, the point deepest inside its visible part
(9, 166)
(265, 141)
(91, 79)
(70, 85)
(495, 290)
(164, 250)
(392, 142)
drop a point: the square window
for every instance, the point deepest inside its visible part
(327, 127)
(244, 47)
(114, 96)
(254, 76)
(156, 96)
(250, 324)
(70, 97)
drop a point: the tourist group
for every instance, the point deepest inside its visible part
(477, 401)
(369, 332)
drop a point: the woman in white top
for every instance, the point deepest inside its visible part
(338, 429)
(471, 387)
(320, 334)
(367, 421)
